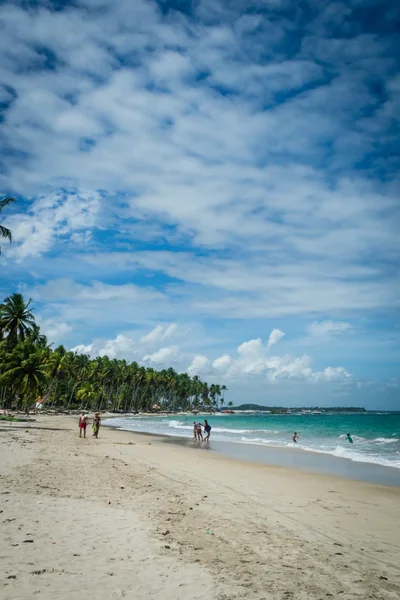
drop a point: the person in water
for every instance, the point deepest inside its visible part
(96, 425)
(199, 432)
(207, 429)
(349, 438)
(197, 435)
(295, 436)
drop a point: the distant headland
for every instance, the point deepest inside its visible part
(302, 410)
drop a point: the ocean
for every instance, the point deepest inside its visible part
(376, 435)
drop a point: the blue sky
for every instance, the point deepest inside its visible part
(210, 185)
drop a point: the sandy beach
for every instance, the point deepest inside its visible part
(130, 516)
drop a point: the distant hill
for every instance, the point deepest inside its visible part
(282, 409)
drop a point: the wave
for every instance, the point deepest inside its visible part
(180, 425)
(340, 452)
(258, 441)
(379, 439)
(364, 450)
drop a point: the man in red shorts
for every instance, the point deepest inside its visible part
(82, 424)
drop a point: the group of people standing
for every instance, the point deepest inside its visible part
(198, 433)
(83, 423)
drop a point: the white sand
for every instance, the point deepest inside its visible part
(121, 517)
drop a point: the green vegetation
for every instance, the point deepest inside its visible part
(31, 370)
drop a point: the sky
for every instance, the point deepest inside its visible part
(211, 185)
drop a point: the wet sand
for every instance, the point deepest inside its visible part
(130, 516)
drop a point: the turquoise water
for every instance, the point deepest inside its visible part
(376, 436)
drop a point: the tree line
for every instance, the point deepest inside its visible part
(31, 370)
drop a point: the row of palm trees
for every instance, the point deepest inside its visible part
(31, 369)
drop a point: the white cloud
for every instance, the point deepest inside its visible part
(274, 337)
(222, 363)
(250, 348)
(82, 349)
(248, 287)
(198, 365)
(120, 347)
(53, 329)
(254, 359)
(97, 303)
(159, 333)
(323, 328)
(68, 217)
(333, 374)
(163, 356)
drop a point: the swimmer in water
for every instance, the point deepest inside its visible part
(349, 438)
(295, 436)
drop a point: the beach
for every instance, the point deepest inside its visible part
(131, 516)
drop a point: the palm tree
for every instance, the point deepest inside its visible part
(4, 232)
(87, 394)
(38, 338)
(16, 320)
(223, 390)
(24, 370)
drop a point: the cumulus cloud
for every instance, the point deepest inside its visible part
(121, 347)
(131, 348)
(222, 363)
(198, 366)
(254, 359)
(274, 337)
(163, 356)
(82, 349)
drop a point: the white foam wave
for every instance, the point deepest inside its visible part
(362, 451)
(358, 438)
(340, 452)
(257, 441)
(180, 425)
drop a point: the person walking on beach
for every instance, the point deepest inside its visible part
(207, 429)
(96, 425)
(295, 436)
(82, 424)
(349, 438)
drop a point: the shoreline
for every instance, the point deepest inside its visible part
(129, 515)
(299, 458)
